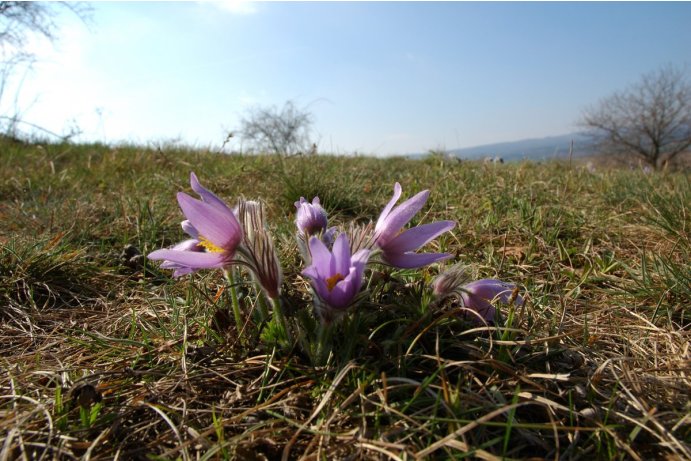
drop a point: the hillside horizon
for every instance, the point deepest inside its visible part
(528, 149)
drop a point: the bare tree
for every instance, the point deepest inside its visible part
(18, 21)
(651, 119)
(284, 131)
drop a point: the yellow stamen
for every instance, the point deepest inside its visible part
(333, 280)
(203, 241)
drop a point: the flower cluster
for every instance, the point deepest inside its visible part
(336, 284)
(335, 260)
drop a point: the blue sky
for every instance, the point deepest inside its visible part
(379, 78)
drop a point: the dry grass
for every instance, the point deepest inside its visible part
(104, 356)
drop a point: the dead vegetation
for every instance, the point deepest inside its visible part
(106, 357)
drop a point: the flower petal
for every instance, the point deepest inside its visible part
(490, 289)
(311, 272)
(188, 245)
(479, 305)
(341, 255)
(399, 217)
(206, 195)
(189, 229)
(220, 227)
(178, 269)
(318, 283)
(182, 270)
(328, 236)
(418, 236)
(359, 260)
(387, 209)
(414, 260)
(321, 289)
(344, 291)
(192, 259)
(321, 257)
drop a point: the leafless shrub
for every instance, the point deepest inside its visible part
(284, 131)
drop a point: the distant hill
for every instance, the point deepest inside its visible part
(533, 149)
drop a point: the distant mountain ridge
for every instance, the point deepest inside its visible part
(530, 149)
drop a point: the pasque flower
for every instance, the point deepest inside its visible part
(398, 248)
(311, 220)
(257, 250)
(481, 294)
(336, 275)
(215, 231)
(311, 217)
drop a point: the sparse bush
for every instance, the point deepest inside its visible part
(284, 131)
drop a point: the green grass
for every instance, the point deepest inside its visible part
(105, 355)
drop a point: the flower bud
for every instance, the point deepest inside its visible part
(311, 217)
(448, 282)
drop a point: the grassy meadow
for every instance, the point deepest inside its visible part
(106, 356)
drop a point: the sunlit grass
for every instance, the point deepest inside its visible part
(105, 354)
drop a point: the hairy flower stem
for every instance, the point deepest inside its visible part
(323, 346)
(237, 314)
(351, 327)
(261, 305)
(278, 314)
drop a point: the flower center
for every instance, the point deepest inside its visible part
(203, 241)
(333, 280)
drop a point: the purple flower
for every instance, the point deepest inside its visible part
(215, 233)
(398, 248)
(336, 275)
(311, 217)
(312, 220)
(480, 294)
